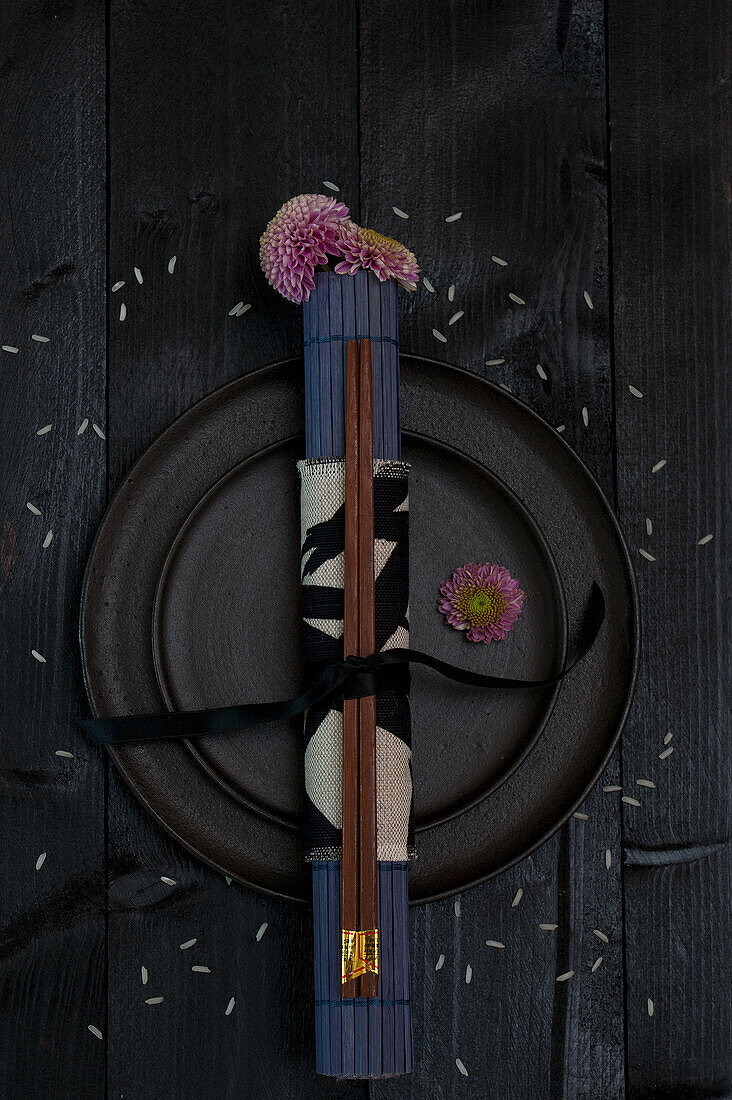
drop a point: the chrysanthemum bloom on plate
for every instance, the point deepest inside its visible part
(302, 234)
(484, 599)
(367, 250)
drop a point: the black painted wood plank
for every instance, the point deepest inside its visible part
(52, 270)
(218, 114)
(497, 112)
(670, 217)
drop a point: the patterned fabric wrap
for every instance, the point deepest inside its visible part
(323, 533)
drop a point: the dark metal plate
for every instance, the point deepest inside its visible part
(191, 600)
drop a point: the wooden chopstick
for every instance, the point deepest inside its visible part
(368, 913)
(350, 799)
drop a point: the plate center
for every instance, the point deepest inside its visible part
(226, 629)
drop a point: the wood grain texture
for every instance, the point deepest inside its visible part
(502, 119)
(52, 271)
(670, 217)
(214, 121)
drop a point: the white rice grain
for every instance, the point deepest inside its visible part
(10, 347)
(454, 217)
(548, 927)
(99, 431)
(201, 969)
(456, 316)
(188, 943)
(644, 554)
(330, 185)
(122, 311)
(456, 908)
(581, 817)
(438, 336)
(261, 930)
(243, 309)
(666, 753)
(635, 392)
(468, 974)
(144, 975)
(659, 466)
(451, 292)
(494, 362)
(667, 738)
(461, 1066)
(428, 285)
(499, 261)
(515, 298)
(399, 213)
(118, 286)
(608, 858)
(95, 1031)
(646, 783)
(517, 897)
(154, 1000)
(586, 296)
(48, 540)
(703, 541)
(40, 861)
(542, 373)
(32, 508)
(566, 976)
(495, 943)
(609, 790)
(83, 426)
(585, 416)
(561, 427)
(40, 339)
(440, 963)
(64, 753)
(228, 880)
(138, 275)
(235, 309)
(630, 801)
(649, 525)
(45, 429)
(38, 656)
(596, 964)
(600, 935)
(168, 881)
(650, 1007)
(171, 264)
(230, 1007)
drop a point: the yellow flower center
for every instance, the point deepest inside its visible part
(379, 239)
(480, 605)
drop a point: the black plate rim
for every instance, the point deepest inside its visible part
(505, 865)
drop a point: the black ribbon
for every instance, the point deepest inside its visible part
(351, 678)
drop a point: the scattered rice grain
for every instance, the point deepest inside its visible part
(40, 339)
(201, 969)
(330, 185)
(440, 963)
(261, 930)
(228, 880)
(243, 309)
(600, 935)
(499, 261)
(138, 275)
(495, 943)
(635, 392)
(468, 974)
(32, 508)
(154, 1000)
(454, 217)
(649, 526)
(63, 752)
(703, 541)
(659, 466)
(581, 817)
(611, 788)
(548, 927)
(171, 264)
(585, 416)
(650, 1006)
(40, 861)
(95, 1031)
(38, 656)
(456, 908)
(566, 976)
(644, 554)
(667, 738)
(461, 1066)
(646, 783)
(515, 298)
(494, 362)
(608, 858)
(168, 881)
(438, 336)
(144, 974)
(666, 753)
(230, 1007)
(44, 430)
(542, 373)
(48, 540)
(9, 347)
(517, 897)
(451, 292)
(399, 213)
(99, 431)
(235, 309)
(630, 801)
(188, 943)
(122, 311)
(596, 964)
(428, 285)
(83, 426)
(587, 298)
(456, 316)
(561, 427)
(118, 286)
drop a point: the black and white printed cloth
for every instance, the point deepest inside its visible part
(322, 566)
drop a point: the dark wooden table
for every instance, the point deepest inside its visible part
(583, 144)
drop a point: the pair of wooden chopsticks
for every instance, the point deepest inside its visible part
(359, 902)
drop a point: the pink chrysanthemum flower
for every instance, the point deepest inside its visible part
(363, 248)
(482, 599)
(302, 234)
